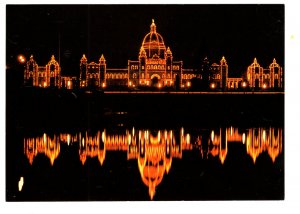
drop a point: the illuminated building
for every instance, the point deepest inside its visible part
(264, 78)
(42, 76)
(92, 74)
(218, 74)
(155, 67)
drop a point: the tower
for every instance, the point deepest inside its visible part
(224, 73)
(102, 76)
(205, 69)
(53, 73)
(169, 64)
(254, 75)
(83, 71)
(30, 73)
(142, 63)
(275, 75)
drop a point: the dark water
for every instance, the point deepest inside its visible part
(129, 163)
(63, 146)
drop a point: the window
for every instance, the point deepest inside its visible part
(256, 70)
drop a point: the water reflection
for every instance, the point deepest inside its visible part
(155, 149)
(20, 184)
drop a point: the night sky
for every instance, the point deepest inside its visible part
(239, 32)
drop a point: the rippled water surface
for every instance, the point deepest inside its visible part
(130, 163)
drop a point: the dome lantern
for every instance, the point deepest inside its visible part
(153, 27)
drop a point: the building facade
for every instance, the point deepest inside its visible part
(154, 67)
(259, 77)
(42, 76)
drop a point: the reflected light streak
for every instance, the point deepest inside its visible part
(212, 135)
(244, 138)
(68, 139)
(20, 184)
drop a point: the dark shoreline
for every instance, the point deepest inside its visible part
(32, 108)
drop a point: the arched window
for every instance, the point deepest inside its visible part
(134, 75)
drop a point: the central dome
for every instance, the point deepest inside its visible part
(153, 43)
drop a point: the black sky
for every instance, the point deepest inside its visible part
(239, 32)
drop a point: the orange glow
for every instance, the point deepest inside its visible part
(268, 140)
(256, 142)
(103, 85)
(154, 57)
(68, 139)
(213, 86)
(264, 86)
(159, 85)
(154, 151)
(21, 58)
(45, 84)
(154, 156)
(42, 145)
